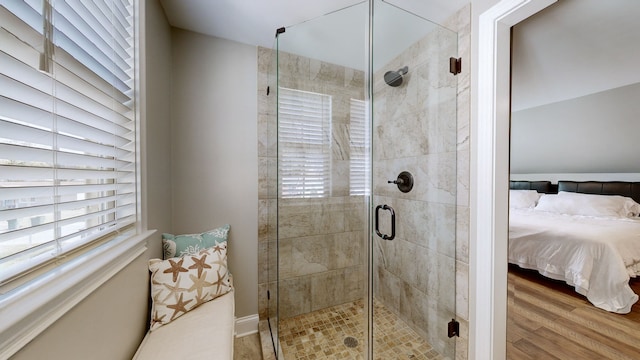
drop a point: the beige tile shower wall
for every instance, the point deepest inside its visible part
(422, 274)
(320, 252)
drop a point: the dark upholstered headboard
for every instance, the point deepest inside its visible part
(628, 189)
(539, 186)
(624, 188)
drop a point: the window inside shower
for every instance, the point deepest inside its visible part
(304, 151)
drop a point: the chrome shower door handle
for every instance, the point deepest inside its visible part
(393, 222)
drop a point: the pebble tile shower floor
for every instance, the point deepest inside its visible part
(326, 333)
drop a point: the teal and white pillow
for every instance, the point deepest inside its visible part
(192, 244)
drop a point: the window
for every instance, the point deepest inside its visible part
(67, 128)
(360, 160)
(304, 145)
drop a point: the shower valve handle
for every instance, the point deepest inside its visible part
(404, 181)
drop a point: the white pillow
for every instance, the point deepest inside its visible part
(589, 204)
(523, 199)
(180, 284)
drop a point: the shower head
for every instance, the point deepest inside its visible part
(394, 78)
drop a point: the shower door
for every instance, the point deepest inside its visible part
(321, 184)
(414, 142)
(365, 260)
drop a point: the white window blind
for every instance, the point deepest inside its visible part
(304, 144)
(360, 160)
(67, 127)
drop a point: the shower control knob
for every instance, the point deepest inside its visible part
(404, 181)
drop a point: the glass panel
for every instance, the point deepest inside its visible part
(321, 214)
(267, 154)
(413, 130)
(272, 199)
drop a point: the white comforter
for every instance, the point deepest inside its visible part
(596, 255)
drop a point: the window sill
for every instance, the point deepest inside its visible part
(28, 310)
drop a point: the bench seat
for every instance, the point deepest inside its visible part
(206, 332)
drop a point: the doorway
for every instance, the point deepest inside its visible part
(489, 202)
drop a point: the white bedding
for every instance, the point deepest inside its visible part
(596, 255)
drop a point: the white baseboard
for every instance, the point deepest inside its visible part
(247, 325)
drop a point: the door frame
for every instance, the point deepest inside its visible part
(490, 179)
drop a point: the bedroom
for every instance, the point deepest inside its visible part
(574, 117)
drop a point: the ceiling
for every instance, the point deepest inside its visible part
(336, 33)
(255, 22)
(571, 49)
(575, 48)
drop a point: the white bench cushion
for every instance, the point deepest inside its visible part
(205, 332)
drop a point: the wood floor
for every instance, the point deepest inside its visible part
(548, 320)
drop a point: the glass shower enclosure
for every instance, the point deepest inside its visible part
(359, 216)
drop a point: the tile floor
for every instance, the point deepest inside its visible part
(247, 348)
(323, 335)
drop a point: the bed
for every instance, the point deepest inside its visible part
(584, 233)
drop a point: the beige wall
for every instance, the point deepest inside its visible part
(110, 323)
(156, 153)
(213, 144)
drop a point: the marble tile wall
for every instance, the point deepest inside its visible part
(320, 253)
(320, 250)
